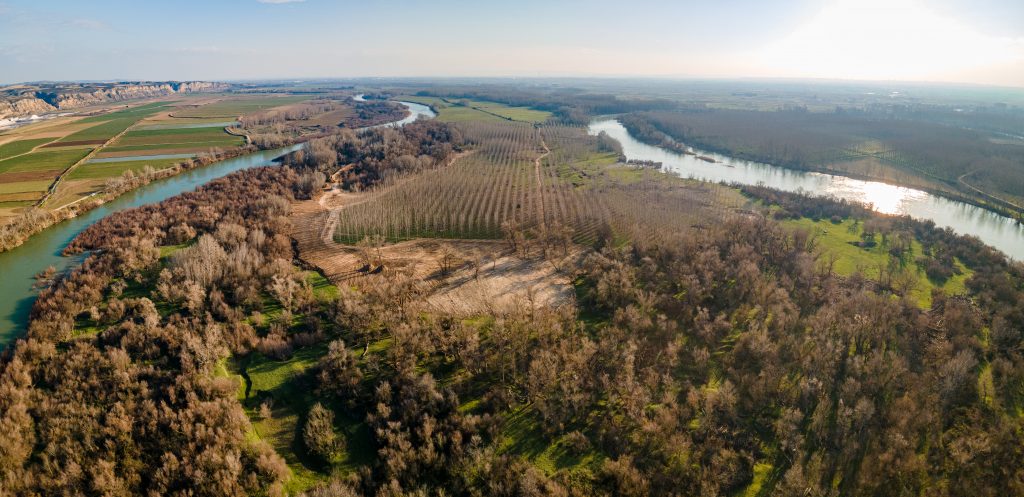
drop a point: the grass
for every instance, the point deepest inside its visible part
(761, 472)
(113, 123)
(103, 170)
(25, 186)
(475, 110)
(48, 160)
(10, 149)
(164, 139)
(522, 435)
(231, 108)
(452, 113)
(516, 113)
(838, 239)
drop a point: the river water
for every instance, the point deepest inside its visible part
(19, 266)
(998, 231)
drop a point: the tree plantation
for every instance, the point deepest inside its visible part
(265, 335)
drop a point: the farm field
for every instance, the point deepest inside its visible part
(515, 113)
(167, 141)
(103, 170)
(235, 106)
(11, 149)
(457, 110)
(511, 179)
(453, 113)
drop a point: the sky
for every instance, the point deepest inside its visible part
(964, 41)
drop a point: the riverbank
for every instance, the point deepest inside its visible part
(965, 217)
(984, 201)
(18, 231)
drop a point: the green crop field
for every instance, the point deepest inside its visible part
(173, 141)
(49, 160)
(471, 110)
(25, 186)
(453, 113)
(159, 148)
(232, 108)
(517, 113)
(113, 123)
(8, 150)
(113, 169)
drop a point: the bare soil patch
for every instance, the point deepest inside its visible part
(467, 277)
(20, 176)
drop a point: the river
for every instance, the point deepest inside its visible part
(998, 231)
(19, 266)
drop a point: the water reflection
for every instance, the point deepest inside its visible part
(884, 198)
(998, 231)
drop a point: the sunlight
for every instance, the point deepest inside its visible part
(887, 199)
(886, 39)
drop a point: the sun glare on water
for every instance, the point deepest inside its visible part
(887, 199)
(886, 39)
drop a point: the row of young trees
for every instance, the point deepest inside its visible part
(702, 360)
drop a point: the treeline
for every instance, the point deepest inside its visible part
(359, 160)
(375, 112)
(298, 112)
(799, 139)
(135, 407)
(568, 105)
(698, 367)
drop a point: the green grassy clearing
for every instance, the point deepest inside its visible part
(761, 472)
(8, 150)
(838, 239)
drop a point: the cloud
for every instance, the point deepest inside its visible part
(277, 2)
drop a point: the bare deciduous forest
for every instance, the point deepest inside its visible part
(708, 348)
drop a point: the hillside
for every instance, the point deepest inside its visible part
(26, 99)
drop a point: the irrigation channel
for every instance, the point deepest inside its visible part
(19, 266)
(1001, 232)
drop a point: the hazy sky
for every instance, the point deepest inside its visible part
(979, 41)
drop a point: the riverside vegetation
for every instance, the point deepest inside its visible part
(711, 345)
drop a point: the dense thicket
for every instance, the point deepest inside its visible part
(111, 394)
(360, 159)
(727, 358)
(568, 105)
